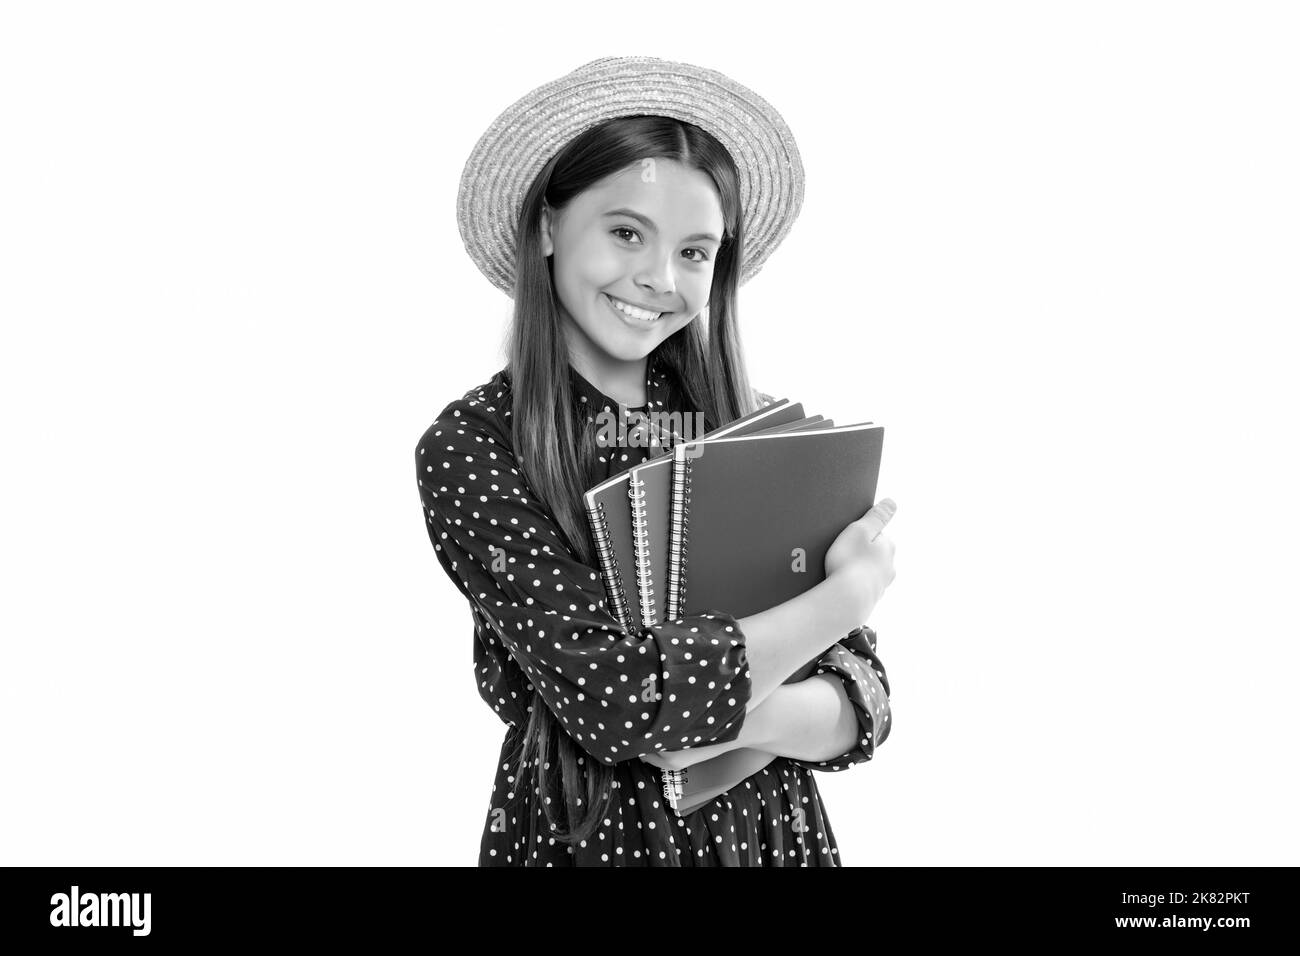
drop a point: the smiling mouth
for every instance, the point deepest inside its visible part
(632, 312)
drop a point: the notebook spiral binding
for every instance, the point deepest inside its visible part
(605, 556)
(641, 546)
(674, 782)
(677, 553)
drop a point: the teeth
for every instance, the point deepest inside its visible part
(633, 311)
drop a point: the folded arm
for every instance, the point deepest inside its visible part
(812, 720)
(852, 667)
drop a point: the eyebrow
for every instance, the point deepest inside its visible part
(632, 214)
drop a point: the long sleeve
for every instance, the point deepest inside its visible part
(853, 659)
(618, 694)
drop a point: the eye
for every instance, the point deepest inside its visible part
(704, 256)
(618, 229)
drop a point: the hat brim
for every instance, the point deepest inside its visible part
(523, 139)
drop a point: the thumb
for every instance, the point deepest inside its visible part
(879, 516)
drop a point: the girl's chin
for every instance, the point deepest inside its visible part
(630, 351)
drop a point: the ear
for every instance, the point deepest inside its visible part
(548, 244)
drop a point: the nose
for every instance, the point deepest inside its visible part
(656, 277)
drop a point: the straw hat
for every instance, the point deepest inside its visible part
(524, 138)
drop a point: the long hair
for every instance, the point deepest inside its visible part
(550, 430)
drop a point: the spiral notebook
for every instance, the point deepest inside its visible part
(609, 514)
(653, 491)
(620, 534)
(650, 493)
(753, 516)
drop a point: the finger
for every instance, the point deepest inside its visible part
(879, 516)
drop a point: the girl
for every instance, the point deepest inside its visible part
(622, 206)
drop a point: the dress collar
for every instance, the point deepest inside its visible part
(655, 388)
(594, 401)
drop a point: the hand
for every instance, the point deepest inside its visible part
(863, 555)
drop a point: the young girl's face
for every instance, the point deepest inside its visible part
(645, 238)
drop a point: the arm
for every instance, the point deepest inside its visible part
(762, 729)
(617, 694)
(783, 638)
(852, 667)
(820, 723)
(709, 771)
(830, 721)
(811, 719)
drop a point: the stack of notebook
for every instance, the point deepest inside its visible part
(737, 520)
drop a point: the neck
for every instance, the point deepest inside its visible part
(623, 381)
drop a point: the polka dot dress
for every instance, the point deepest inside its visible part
(541, 621)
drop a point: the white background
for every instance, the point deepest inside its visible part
(1053, 247)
